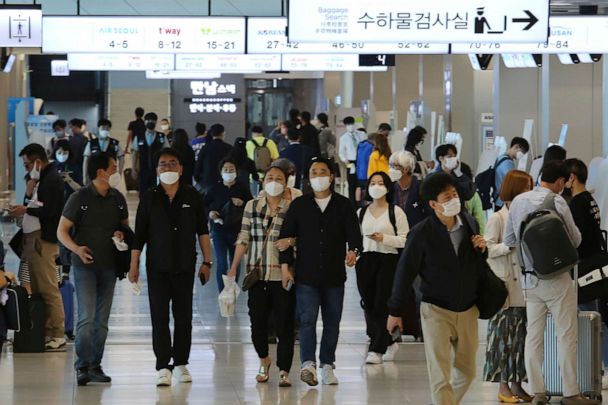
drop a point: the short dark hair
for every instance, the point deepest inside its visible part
(554, 152)
(521, 142)
(435, 184)
(98, 161)
(59, 124)
(384, 127)
(76, 122)
(293, 114)
(172, 152)
(362, 129)
(387, 183)
(328, 162)
(578, 168)
(200, 128)
(280, 168)
(216, 130)
(348, 120)
(104, 122)
(293, 134)
(443, 150)
(62, 144)
(323, 118)
(554, 170)
(256, 129)
(139, 112)
(151, 117)
(305, 115)
(34, 151)
(228, 159)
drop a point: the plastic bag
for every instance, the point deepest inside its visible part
(228, 296)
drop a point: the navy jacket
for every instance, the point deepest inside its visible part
(207, 170)
(415, 208)
(301, 156)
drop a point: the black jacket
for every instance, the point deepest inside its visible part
(448, 280)
(50, 195)
(322, 239)
(415, 208)
(207, 170)
(310, 137)
(301, 156)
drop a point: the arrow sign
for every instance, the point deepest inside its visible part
(531, 20)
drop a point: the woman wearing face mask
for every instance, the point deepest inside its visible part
(384, 227)
(66, 167)
(288, 167)
(507, 329)
(258, 241)
(225, 202)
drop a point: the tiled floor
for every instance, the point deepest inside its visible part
(223, 363)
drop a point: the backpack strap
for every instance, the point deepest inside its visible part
(392, 218)
(257, 145)
(362, 212)
(265, 142)
(501, 161)
(549, 202)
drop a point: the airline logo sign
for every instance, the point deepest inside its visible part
(20, 26)
(436, 21)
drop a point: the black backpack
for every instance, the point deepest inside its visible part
(486, 184)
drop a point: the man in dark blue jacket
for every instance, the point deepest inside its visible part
(300, 155)
(207, 169)
(445, 249)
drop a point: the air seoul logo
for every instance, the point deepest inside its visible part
(119, 30)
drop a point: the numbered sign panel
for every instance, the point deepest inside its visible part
(326, 62)
(123, 61)
(209, 35)
(228, 63)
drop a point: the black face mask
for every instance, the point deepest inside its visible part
(150, 125)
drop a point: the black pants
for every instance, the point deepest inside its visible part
(375, 273)
(266, 298)
(166, 289)
(352, 187)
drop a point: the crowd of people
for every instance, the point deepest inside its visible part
(414, 230)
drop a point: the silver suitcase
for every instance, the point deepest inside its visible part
(589, 354)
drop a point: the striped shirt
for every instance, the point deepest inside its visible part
(258, 220)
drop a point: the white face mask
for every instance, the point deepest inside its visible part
(164, 127)
(520, 155)
(377, 191)
(60, 134)
(169, 177)
(274, 188)
(228, 177)
(451, 208)
(291, 181)
(114, 180)
(104, 134)
(320, 184)
(350, 128)
(35, 172)
(395, 174)
(450, 163)
(62, 157)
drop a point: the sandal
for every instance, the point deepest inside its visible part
(284, 380)
(263, 374)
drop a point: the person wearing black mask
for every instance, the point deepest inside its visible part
(147, 146)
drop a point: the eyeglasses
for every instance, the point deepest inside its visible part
(168, 165)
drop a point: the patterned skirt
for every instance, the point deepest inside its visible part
(505, 351)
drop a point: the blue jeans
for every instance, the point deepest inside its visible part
(594, 306)
(309, 299)
(223, 247)
(94, 293)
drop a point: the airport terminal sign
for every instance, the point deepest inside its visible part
(209, 35)
(20, 26)
(437, 21)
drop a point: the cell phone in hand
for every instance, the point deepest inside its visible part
(396, 334)
(289, 285)
(201, 277)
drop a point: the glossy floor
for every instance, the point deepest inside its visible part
(223, 363)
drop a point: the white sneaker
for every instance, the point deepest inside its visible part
(182, 374)
(373, 358)
(308, 373)
(164, 378)
(391, 352)
(55, 345)
(327, 375)
(605, 381)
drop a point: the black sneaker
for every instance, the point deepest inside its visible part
(97, 375)
(82, 376)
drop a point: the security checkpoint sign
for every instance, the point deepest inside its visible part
(434, 21)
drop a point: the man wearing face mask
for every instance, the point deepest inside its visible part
(401, 170)
(147, 146)
(104, 143)
(92, 217)
(40, 219)
(447, 156)
(325, 231)
(165, 128)
(171, 217)
(505, 163)
(59, 134)
(445, 249)
(347, 151)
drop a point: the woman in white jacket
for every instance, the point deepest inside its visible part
(507, 329)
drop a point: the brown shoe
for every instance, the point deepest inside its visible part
(579, 400)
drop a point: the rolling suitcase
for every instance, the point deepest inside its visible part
(31, 338)
(67, 295)
(589, 354)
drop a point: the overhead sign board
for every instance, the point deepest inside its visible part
(437, 21)
(114, 61)
(325, 62)
(228, 63)
(269, 35)
(20, 26)
(209, 35)
(174, 74)
(579, 34)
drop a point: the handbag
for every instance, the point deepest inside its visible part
(16, 310)
(16, 243)
(254, 275)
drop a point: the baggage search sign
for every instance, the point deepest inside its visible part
(437, 21)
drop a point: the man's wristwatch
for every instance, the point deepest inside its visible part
(208, 264)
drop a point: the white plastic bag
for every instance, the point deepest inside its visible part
(228, 296)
